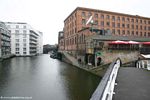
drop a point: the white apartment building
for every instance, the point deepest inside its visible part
(24, 39)
(40, 43)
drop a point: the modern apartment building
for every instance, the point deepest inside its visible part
(4, 41)
(24, 39)
(40, 43)
(117, 24)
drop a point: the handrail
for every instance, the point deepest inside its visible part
(105, 89)
(143, 63)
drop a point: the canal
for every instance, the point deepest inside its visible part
(43, 78)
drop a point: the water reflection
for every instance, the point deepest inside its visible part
(44, 78)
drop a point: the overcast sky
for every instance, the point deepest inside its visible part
(48, 16)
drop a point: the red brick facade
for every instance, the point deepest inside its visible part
(118, 23)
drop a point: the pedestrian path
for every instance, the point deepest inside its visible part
(132, 84)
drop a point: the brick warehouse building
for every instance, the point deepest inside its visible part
(118, 24)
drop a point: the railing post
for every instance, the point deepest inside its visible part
(148, 64)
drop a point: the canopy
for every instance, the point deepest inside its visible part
(133, 42)
(147, 43)
(118, 42)
(124, 42)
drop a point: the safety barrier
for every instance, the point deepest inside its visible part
(144, 63)
(105, 89)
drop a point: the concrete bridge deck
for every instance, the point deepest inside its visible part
(132, 84)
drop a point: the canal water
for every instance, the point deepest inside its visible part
(43, 78)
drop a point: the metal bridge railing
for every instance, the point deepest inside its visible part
(105, 89)
(143, 63)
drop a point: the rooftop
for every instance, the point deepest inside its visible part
(109, 12)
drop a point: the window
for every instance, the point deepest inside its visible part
(149, 28)
(96, 15)
(17, 35)
(118, 18)
(113, 31)
(128, 32)
(24, 53)
(16, 31)
(113, 18)
(24, 27)
(17, 26)
(17, 44)
(144, 21)
(148, 34)
(108, 24)
(145, 28)
(17, 52)
(141, 27)
(17, 49)
(123, 19)
(102, 23)
(108, 17)
(141, 21)
(132, 26)
(83, 14)
(118, 25)
(123, 25)
(8, 26)
(75, 40)
(132, 20)
(24, 44)
(17, 40)
(141, 34)
(148, 22)
(113, 24)
(24, 35)
(133, 33)
(136, 20)
(128, 19)
(24, 40)
(136, 33)
(145, 34)
(136, 26)
(96, 22)
(128, 26)
(118, 31)
(83, 22)
(123, 32)
(102, 16)
(89, 14)
(24, 49)
(24, 31)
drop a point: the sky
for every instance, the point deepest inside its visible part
(48, 16)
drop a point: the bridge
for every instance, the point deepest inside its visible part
(125, 83)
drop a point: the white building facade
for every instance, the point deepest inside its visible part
(24, 39)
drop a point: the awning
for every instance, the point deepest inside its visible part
(124, 42)
(118, 42)
(146, 43)
(133, 42)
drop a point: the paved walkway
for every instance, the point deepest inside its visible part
(133, 84)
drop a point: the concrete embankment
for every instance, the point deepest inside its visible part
(6, 57)
(99, 71)
(107, 57)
